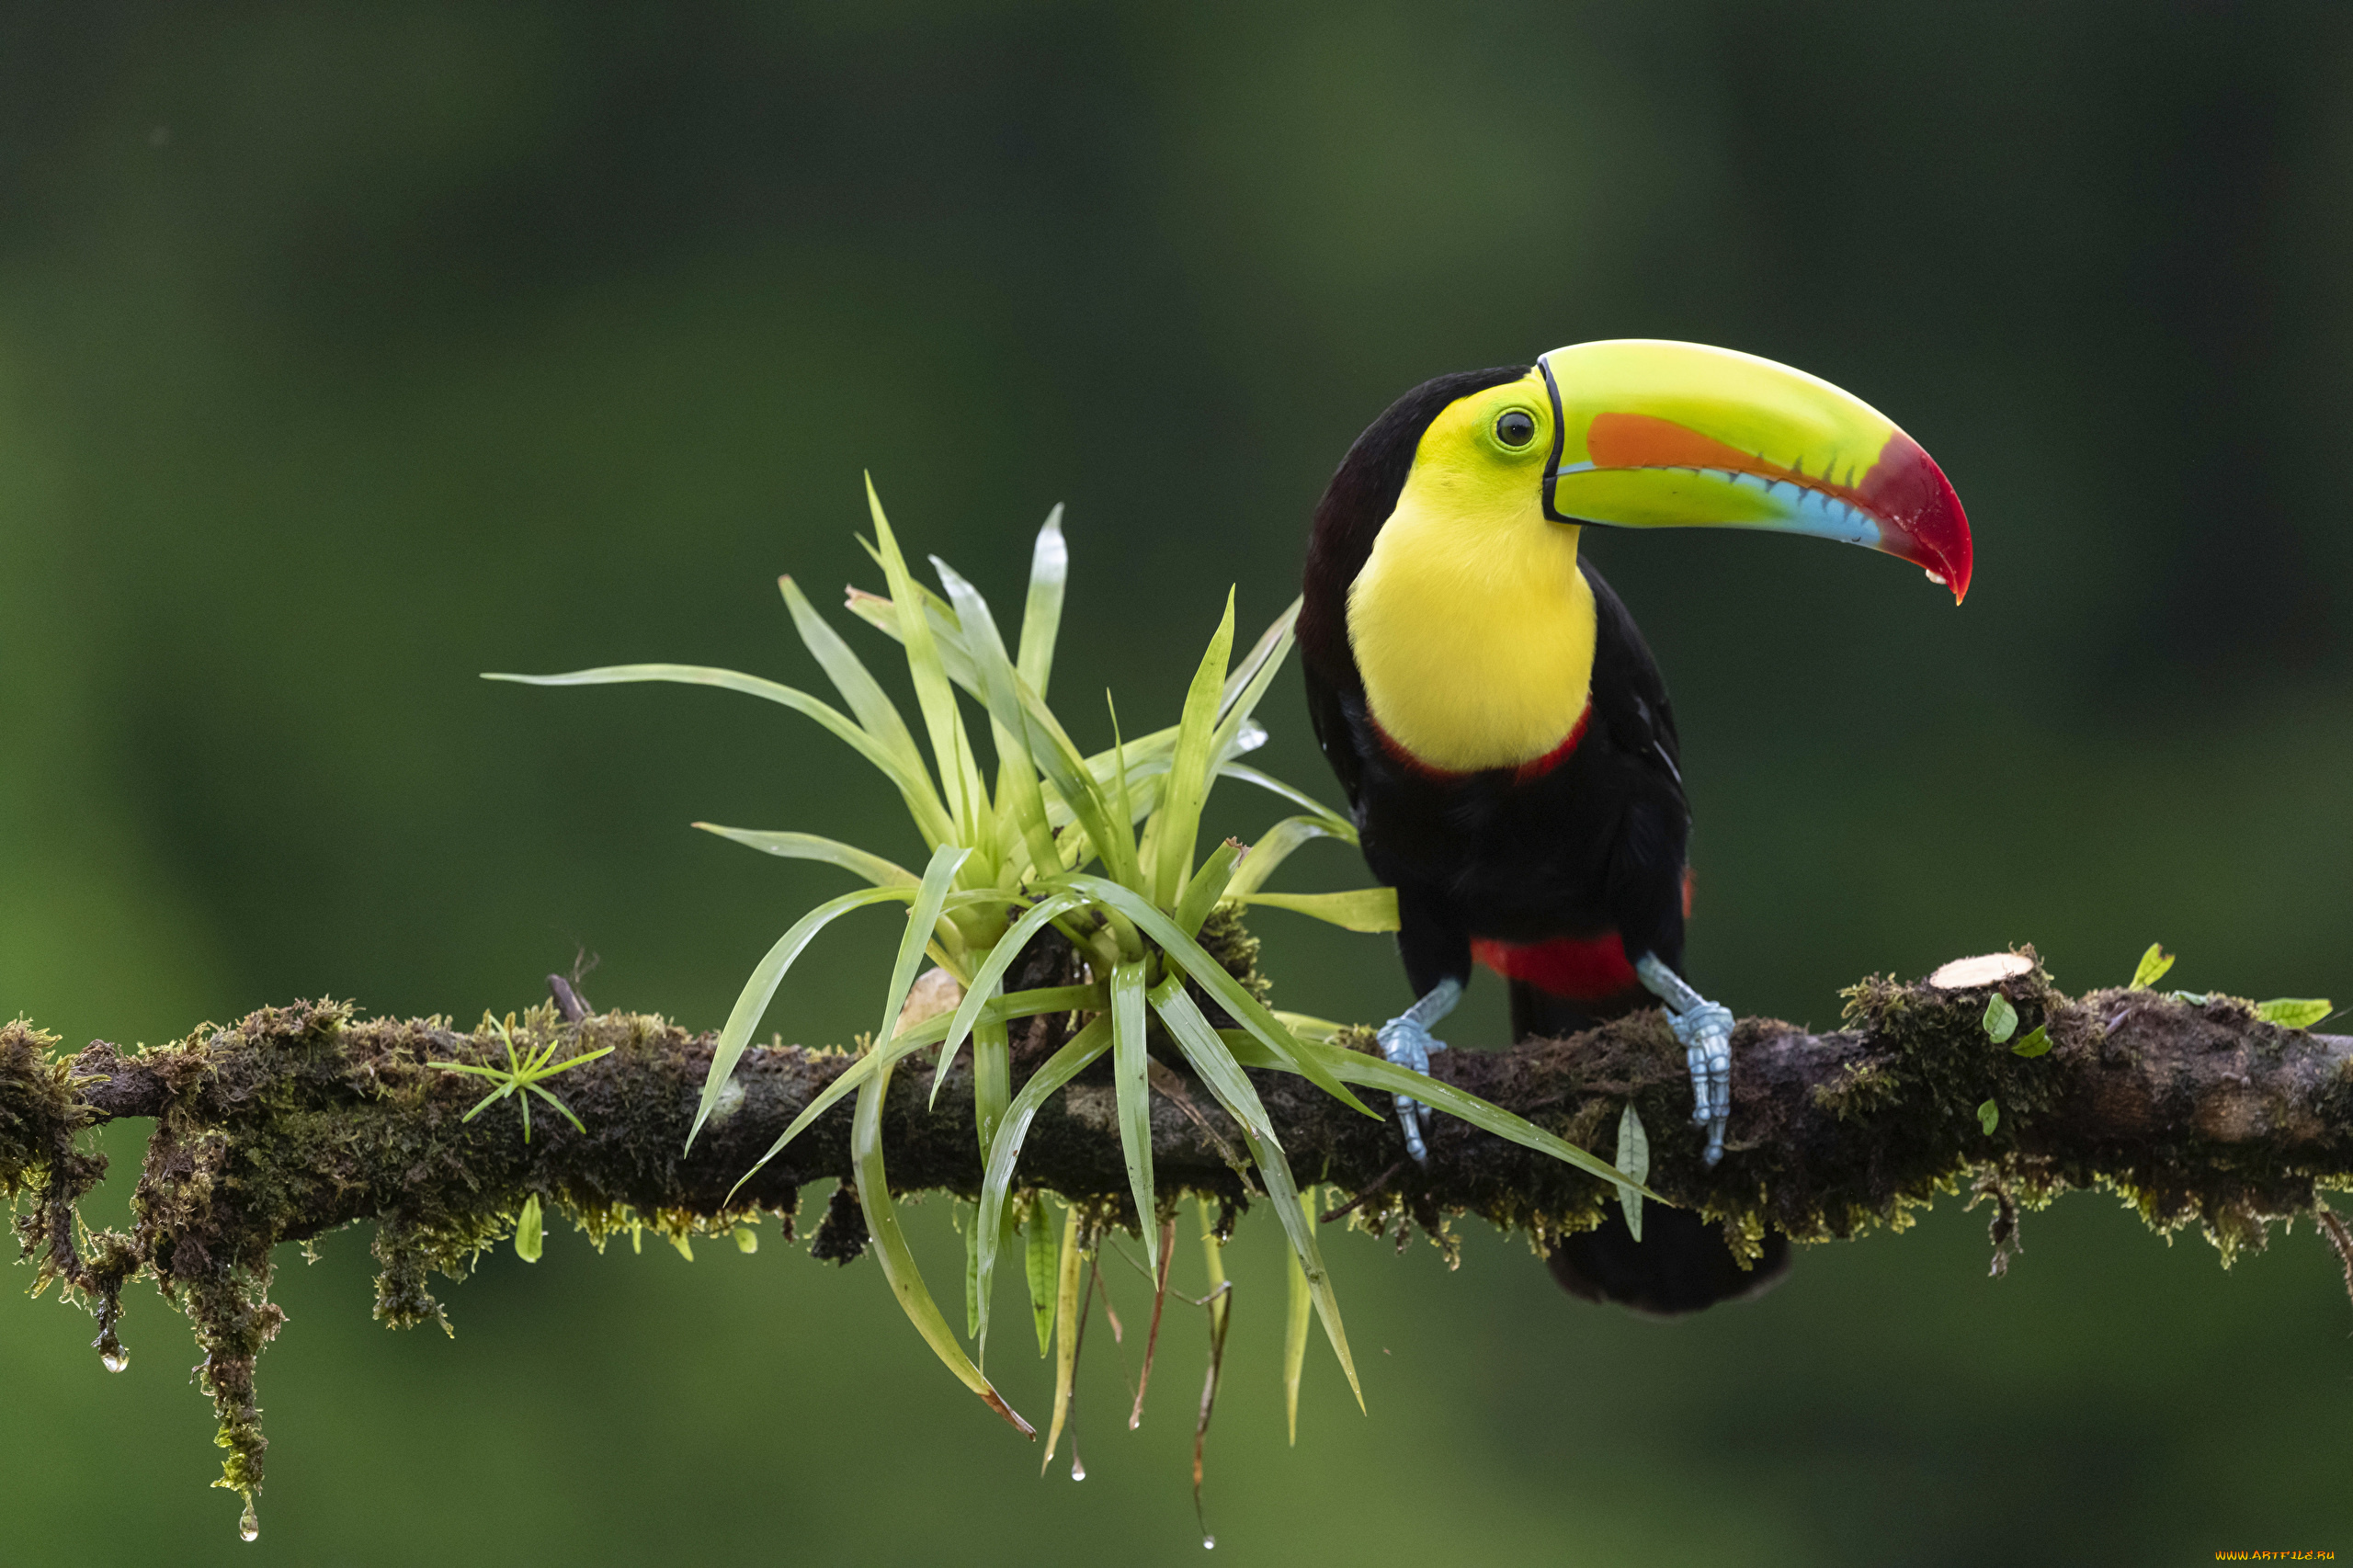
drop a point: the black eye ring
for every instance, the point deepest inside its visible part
(1514, 427)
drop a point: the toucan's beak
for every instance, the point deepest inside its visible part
(1652, 434)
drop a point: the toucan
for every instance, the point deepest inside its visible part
(1501, 731)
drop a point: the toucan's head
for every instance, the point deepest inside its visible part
(1642, 433)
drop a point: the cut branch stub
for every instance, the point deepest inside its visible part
(1987, 969)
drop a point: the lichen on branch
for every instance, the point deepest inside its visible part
(298, 1120)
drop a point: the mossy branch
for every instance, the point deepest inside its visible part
(300, 1120)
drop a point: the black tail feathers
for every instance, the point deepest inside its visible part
(1683, 1263)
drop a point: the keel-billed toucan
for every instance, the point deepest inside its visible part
(1504, 737)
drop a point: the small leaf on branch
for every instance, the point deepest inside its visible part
(2001, 1018)
(2036, 1043)
(527, 1231)
(2294, 1011)
(1988, 1115)
(1634, 1160)
(2152, 966)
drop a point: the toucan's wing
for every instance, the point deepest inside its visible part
(1328, 716)
(1629, 694)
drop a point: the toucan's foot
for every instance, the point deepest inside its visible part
(1406, 1040)
(1705, 1029)
(1409, 1044)
(1706, 1034)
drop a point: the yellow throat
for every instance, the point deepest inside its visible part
(1470, 622)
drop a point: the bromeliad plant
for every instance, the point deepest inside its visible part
(1104, 850)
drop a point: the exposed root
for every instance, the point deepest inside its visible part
(2003, 1231)
(2340, 1237)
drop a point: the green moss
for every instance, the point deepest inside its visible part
(1227, 939)
(1858, 1089)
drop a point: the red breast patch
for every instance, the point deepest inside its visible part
(1526, 773)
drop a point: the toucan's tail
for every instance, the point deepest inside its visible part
(1683, 1263)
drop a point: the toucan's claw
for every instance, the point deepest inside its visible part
(1704, 1028)
(1408, 1044)
(1406, 1040)
(1706, 1034)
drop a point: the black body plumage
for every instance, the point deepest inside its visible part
(1591, 846)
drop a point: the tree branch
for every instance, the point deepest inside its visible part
(300, 1120)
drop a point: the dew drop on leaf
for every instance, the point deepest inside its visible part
(249, 1526)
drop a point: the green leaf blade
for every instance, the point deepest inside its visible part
(950, 749)
(1135, 1096)
(752, 1003)
(914, 787)
(2152, 967)
(898, 1261)
(1274, 847)
(1189, 767)
(991, 1078)
(930, 899)
(1217, 1069)
(1042, 613)
(1066, 1330)
(873, 869)
(1339, 826)
(996, 1179)
(1207, 886)
(877, 714)
(1041, 1264)
(1236, 732)
(1017, 766)
(1368, 910)
(1298, 1308)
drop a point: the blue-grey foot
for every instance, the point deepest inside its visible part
(1406, 1040)
(1705, 1029)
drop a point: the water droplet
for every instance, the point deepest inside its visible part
(249, 1527)
(115, 1361)
(1077, 1469)
(1208, 1543)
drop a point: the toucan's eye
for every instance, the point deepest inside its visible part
(1514, 427)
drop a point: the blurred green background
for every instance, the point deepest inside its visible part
(346, 351)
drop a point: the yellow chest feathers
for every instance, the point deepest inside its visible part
(1474, 630)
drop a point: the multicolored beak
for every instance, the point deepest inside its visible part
(1651, 434)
